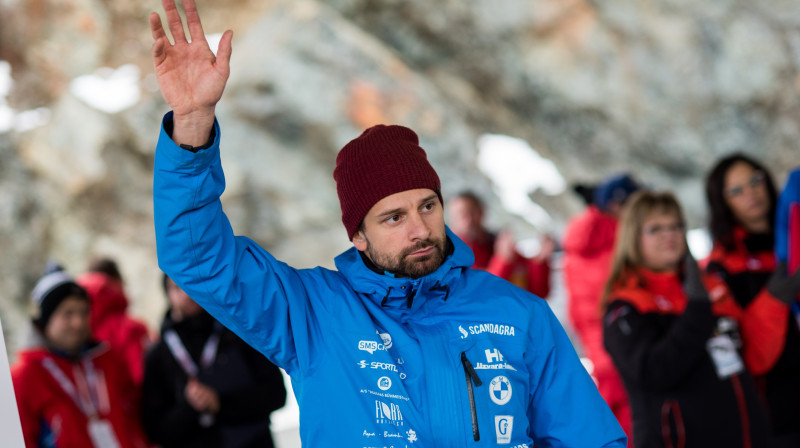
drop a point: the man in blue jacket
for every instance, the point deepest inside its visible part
(403, 345)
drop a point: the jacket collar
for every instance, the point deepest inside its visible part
(406, 292)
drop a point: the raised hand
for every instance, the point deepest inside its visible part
(191, 78)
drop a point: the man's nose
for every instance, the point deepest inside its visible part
(418, 228)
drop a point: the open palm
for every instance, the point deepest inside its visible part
(191, 78)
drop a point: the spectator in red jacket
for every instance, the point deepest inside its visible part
(110, 322)
(742, 198)
(72, 391)
(496, 253)
(588, 246)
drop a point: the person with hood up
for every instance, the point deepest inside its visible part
(403, 344)
(110, 322)
(72, 391)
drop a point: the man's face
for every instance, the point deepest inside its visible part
(404, 233)
(465, 217)
(181, 304)
(68, 327)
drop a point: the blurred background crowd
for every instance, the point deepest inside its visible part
(541, 117)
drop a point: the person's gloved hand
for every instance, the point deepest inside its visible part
(692, 280)
(782, 286)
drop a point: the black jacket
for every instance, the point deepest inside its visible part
(746, 266)
(658, 342)
(249, 387)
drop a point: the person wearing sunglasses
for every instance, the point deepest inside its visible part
(742, 200)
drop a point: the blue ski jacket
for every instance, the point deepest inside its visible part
(458, 358)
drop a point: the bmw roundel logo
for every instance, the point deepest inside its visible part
(500, 390)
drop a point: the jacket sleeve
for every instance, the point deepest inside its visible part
(563, 396)
(789, 198)
(233, 278)
(654, 359)
(764, 325)
(166, 415)
(254, 402)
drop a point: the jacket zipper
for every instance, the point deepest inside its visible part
(472, 376)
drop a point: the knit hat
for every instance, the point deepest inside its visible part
(380, 162)
(614, 189)
(54, 286)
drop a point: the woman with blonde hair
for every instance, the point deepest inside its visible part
(674, 337)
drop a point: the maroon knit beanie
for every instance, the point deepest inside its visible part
(380, 162)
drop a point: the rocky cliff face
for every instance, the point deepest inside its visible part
(661, 88)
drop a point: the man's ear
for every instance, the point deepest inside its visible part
(360, 241)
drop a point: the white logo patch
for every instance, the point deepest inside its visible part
(503, 425)
(503, 330)
(494, 356)
(464, 333)
(384, 383)
(370, 346)
(412, 436)
(388, 413)
(387, 340)
(500, 390)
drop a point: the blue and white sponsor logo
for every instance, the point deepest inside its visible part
(388, 413)
(384, 383)
(503, 426)
(386, 339)
(494, 360)
(500, 390)
(488, 327)
(376, 365)
(370, 346)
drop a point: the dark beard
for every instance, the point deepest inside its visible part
(402, 267)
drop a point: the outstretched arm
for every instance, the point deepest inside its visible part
(191, 78)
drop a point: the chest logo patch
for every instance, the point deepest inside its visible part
(500, 390)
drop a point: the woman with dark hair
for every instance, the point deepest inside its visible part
(673, 335)
(742, 199)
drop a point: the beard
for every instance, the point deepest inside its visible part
(402, 266)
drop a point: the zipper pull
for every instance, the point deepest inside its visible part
(470, 370)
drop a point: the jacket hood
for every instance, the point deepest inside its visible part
(106, 294)
(394, 291)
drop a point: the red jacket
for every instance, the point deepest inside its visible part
(527, 273)
(770, 331)
(588, 248)
(48, 412)
(746, 272)
(658, 340)
(110, 324)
